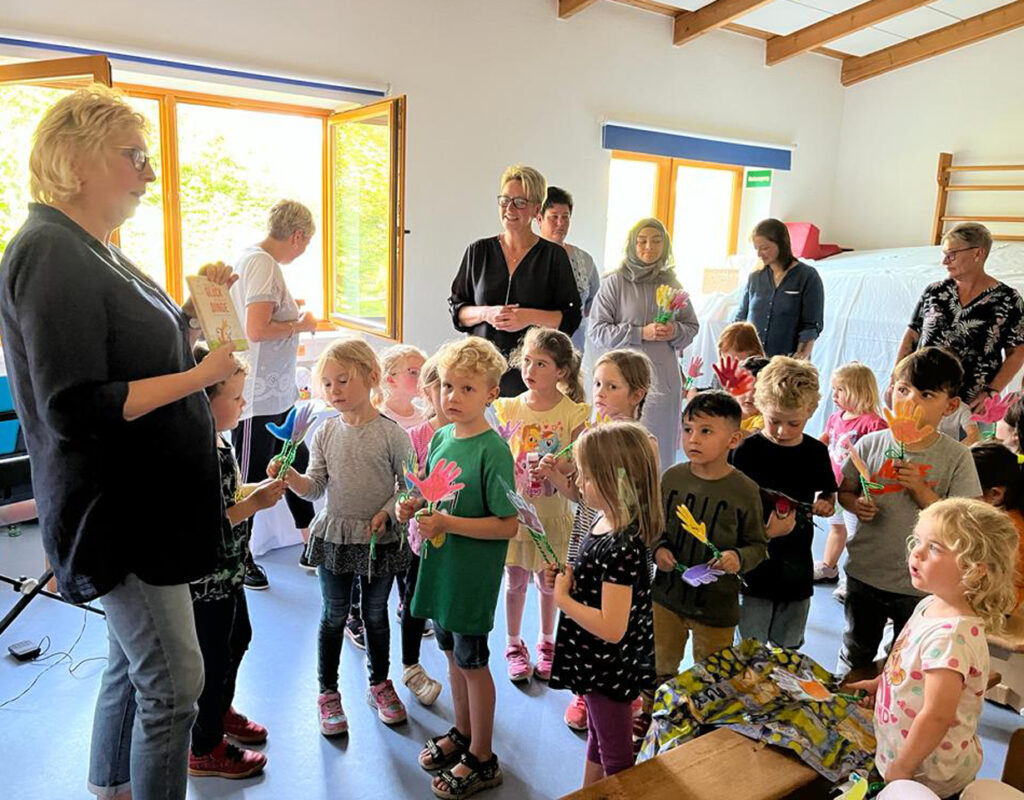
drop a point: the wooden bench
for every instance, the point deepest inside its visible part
(1006, 652)
(721, 765)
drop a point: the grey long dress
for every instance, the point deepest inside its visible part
(620, 311)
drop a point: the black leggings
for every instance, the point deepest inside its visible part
(412, 627)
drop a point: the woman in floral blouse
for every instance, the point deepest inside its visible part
(976, 316)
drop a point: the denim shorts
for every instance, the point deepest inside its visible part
(469, 649)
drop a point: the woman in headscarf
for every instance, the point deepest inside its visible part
(623, 316)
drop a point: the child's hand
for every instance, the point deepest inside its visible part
(563, 583)
(266, 494)
(729, 562)
(550, 574)
(824, 507)
(379, 522)
(546, 468)
(274, 470)
(664, 559)
(870, 687)
(432, 525)
(780, 526)
(404, 509)
(866, 510)
(909, 477)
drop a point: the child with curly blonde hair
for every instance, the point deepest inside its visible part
(928, 699)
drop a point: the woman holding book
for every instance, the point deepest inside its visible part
(119, 431)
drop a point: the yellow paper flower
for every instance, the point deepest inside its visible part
(690, 525)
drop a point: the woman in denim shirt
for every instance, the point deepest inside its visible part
(785, 299)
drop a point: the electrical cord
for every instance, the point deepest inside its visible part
(60, 655)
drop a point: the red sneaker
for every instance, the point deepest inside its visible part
(242, 729)
(576, 714)
(226, 761)
(545, 660)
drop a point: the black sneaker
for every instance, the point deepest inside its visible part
(354, 632)
(304, 560)
(255, 575)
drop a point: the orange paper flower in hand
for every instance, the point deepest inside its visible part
(906, 425)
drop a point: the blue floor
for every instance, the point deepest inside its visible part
(44, 736)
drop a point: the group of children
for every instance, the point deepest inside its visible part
(752, 478)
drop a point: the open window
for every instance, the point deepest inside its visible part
(366, 217)
(26, 90)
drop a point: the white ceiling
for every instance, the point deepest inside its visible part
(783, 17)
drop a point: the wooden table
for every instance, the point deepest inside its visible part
(1006, 651)
(721, 765)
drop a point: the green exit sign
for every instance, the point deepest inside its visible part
(758, 178)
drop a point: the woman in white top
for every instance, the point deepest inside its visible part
(272, 326)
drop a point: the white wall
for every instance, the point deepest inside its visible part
(492, 82)
(968, 102)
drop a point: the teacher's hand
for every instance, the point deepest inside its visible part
(307, 322)
(657, 332)
(219, 273)
(510, 318)
(978, 403)
(217, 366)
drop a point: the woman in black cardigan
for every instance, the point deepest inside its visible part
(509, 282)
(119, 432)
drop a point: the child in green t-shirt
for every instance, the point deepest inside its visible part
(463, 556)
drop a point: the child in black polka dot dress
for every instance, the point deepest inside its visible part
(604, 648)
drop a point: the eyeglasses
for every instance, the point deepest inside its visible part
(139, 157)
(950, 255)
(504, 201)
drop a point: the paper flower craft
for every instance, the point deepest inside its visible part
(784, 504)
(734, 379)
(527, 515)
(437, 487)
(293, 431)
(700, 574)
(866, 484)
(506, 430)
(670, 300)
(694, 370)
(803, 687)
(906, 427)
(696, 529)
(993, 411)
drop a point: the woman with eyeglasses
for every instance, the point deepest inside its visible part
(971, 313)
(515, 280)
(124, 460)
(785, 298)
(623, 315)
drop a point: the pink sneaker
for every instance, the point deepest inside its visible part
(576, 714)
(333, 721)
(389, 708)
(638, 707)
(242, 729)
(518, 658)
(545, 657)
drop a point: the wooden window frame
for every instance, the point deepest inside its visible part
(665, 188)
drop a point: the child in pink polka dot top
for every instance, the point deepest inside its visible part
(928, 699)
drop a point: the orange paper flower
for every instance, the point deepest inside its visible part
(906, 425)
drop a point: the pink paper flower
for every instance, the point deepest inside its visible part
(695, 368)
(440, 484)
(995, 408)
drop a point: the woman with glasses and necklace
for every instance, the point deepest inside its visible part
(124, 458)
(515, 280)
(977, 317)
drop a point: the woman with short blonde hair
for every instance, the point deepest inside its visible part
(111, 402)
(515, 280)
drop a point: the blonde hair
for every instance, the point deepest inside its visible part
(740, 337)
(636, 368)
(77, 126)
(474, 355)
(972, 234)
(352, 352)
(392, 358)
(788, 384)
(618, 458)
(984, 541)
(288, 217)
(534, 185)
(565, 357)
(861, 387)
(429, 376)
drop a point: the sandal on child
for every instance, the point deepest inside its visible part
(437, 758)
(483, 775)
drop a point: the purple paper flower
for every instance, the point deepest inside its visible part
(702, 574)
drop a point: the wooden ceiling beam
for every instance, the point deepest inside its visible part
(689, 25)
(968, 31)
(569, 8)
(838, 25)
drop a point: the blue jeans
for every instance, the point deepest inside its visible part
(147, 698)
(336, 591)
(780, 622)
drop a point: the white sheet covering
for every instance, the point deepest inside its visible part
(869, 297)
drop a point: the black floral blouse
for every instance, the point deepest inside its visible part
(980, 333)
(585, 663)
